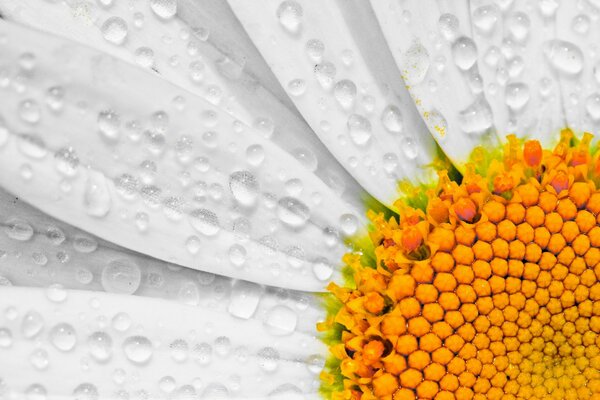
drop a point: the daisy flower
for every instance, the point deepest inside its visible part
(285, 199)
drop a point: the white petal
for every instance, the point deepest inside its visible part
(40, 251)
(61, 102)
(100, 346)
(207, 53)
(339, 73)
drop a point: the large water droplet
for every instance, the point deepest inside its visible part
(100, 346)
(114, 30)
(164, 8)
(205, 221)
(63, 337)
(322, 269)
(415, 64)
(345, 93)
(121, 276)
(359, 129)
(32, 324)
(289, 14)
(137, 349)
(281, 320)
(464, 52)
(244, 299)
(244, 187)
(565, 57)
(35, 392)
(292, 212)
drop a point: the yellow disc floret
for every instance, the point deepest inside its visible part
(488, 290)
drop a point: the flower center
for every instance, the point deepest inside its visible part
(489, 291)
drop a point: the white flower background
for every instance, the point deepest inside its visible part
(178, 177)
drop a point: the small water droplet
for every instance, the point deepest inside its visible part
(268, 359)
(359, 129)
(244, 187)
(292, 212)
(315, 50)
(592, 106)
(96, 198)
(345, 93)
(281, 320)
(144, 57)
(415, 64)
(32, 146)
(121, 322)
(325, 74)
(189, 294)
(121, 276)
(485, 18)
(167, 384)
(518, 25)
(565, 57)
(55, 98)
(6, 338)
(202, 353)
(56, 293)
(165, 9)
(464, 52)
(517, 95)
(237, 255)
(448, 25)
(63, 337)
(322, 269)
(100, 346)
(244, 299)
(255, 155)
(85, 391)
(137, 349)
(35, 392)
(32, 324)
(18, 229)
(477, 117)
(289, 14)
(114, 30)
(39, 359)
(109, 124)
(349, 224)
(205, 221)
(296, 87)
(179, 350)
(581, 24)
(30, 111)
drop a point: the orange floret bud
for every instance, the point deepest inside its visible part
(532, 153)
(411, 239)
(465, 209)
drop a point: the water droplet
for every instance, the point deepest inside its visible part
(592, 106)
(114, 30)
(167, 384)
(281, 320)
(205, 221)
(67, 161)
(325, 74)
(477, 117)
(85, 244)
(315, 363)
(35, 392)
(179, 350)
(142, 221)
(345, 93)
(109, 124)
(322, 269)
(100, 346)
(315, 49)
(32, 146)
(55, 98)
(518, 25)
(517, 95)
(85, 391)
(189, 294)
(581, 24)
(415, 64)
(164, 8)
(390, 162)
(237, 255)
(292, 212)
(464, 52)
(84, 276)
(244, 299)
(32, 324)
(548, 7)
(18, 229)
(268, 359)
(296, 87)
(144, 57)
(56, 293)
(409, 147)
(565, 57)
(6, 338)
(121, 276)
(63, 337)
(126, 185)
(289, 14)
(137, 349)
(30, 111)
(244, 187)
(485, 18)
(121, 322)
(39, 359)
(96, 197)
(255, 155)
(349, 224)
(215, 391)
(359, 129)
(448, 26)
